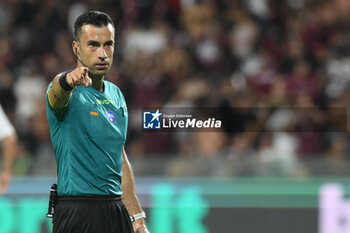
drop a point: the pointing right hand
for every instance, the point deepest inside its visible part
(78, 77)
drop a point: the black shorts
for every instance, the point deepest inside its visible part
(91, 214)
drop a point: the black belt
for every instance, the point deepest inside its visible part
(90, 198)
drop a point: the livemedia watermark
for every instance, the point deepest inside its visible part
(237, 120)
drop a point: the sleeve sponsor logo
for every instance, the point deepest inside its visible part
(92, 113)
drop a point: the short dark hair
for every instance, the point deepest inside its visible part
(96, 18)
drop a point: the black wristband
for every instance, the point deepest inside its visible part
(63, 82)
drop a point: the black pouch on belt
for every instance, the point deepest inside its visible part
(52, 201)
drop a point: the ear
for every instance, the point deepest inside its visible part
(75, 47)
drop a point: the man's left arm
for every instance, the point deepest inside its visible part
(129, 197)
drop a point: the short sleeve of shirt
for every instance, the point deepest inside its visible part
(52, 113)
(6, 128)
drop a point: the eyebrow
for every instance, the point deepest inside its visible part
(108, 42)
(92, 42)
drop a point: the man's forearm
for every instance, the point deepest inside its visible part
(130, 199)
(61, 90)
(58, 97)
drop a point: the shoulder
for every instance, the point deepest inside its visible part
(113, 88)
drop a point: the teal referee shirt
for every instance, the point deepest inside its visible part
(88, 136)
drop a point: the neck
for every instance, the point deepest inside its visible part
(97, 82)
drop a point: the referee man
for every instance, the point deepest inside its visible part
(88, 121)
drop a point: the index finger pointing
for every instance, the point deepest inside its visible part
(84, 70)
(88, 81)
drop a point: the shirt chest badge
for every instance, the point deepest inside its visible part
(111, 116)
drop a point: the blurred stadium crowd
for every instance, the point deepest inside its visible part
(287, 60)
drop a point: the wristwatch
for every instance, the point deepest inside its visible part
(137, 216)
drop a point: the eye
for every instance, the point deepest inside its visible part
(109, 43)
(93, 44)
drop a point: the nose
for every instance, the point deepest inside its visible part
(102, 54)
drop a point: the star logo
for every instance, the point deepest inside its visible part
(151, 119)
(156, 115)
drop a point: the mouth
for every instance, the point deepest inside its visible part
(101, 65)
